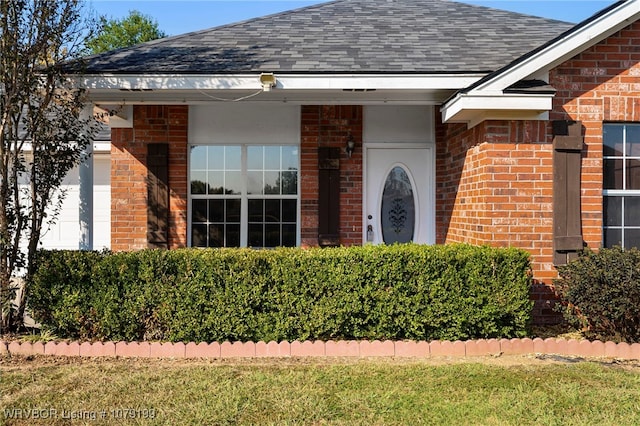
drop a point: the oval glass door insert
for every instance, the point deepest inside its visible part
(398, 208)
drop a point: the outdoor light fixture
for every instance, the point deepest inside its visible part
(351, 145)
(268, 80)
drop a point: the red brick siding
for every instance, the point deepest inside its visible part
(167, 124)
(494, 181)
(602, 84)
(329, 126)
(494, 186)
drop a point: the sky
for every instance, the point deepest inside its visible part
(181, 16)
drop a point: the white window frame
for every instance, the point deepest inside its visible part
(244, 196)
(625, 193)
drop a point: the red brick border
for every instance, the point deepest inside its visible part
(351, 349)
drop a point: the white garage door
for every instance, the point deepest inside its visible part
(65, 233)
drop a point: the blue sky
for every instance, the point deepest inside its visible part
(178, 17)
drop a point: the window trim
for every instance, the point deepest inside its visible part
(624, 193)
(243, 196)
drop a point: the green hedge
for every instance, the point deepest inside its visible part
(374, 292)
(601, 293)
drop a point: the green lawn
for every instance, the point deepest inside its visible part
(523, 391)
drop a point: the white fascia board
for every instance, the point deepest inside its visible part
(567, 47)
(465, 106)
(480, 116)
(284, 82)
(97, 147)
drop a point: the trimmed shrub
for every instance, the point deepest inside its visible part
(601, 293)
(373, 292)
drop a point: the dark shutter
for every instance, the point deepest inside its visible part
(329, 197)
(158, 195)
(567, 222)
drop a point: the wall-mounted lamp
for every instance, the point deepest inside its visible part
(351, 145)
(268, 80)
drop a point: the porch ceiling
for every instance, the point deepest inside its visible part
(302, 97)
(297, 89)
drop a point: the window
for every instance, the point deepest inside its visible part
(621, 185)
(244, 195)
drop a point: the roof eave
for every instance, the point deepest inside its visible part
(285, 81)
(462, 106)
(567, 46)
(472, 109)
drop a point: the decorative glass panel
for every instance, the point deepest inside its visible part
(398, 208)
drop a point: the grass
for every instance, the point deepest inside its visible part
(303, 392)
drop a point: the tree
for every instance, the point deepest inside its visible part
(115, 34)
(43, 131)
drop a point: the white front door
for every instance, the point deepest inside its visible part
(400, 195)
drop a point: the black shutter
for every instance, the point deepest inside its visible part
(329, 197)
(158, 195)
(567, 221)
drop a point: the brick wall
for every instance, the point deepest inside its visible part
(329, 126)
(494, 181)
(495, 187)
(166, 124)
(602, 84)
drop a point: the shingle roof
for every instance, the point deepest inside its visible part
(346, 36)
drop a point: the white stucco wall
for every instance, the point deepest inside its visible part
(390, 123)
(237, 123)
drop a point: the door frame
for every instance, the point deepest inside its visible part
(430, 192)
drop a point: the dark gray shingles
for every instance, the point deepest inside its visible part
(343, 36)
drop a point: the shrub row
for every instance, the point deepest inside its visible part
(601, 293)
(374, 292)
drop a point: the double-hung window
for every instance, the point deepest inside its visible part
(621, 184)
(244, 195)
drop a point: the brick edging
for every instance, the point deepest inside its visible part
(354, 349)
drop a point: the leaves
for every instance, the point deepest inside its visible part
(374, 292)
(118, 33)
(43, 131)
(601, 292)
